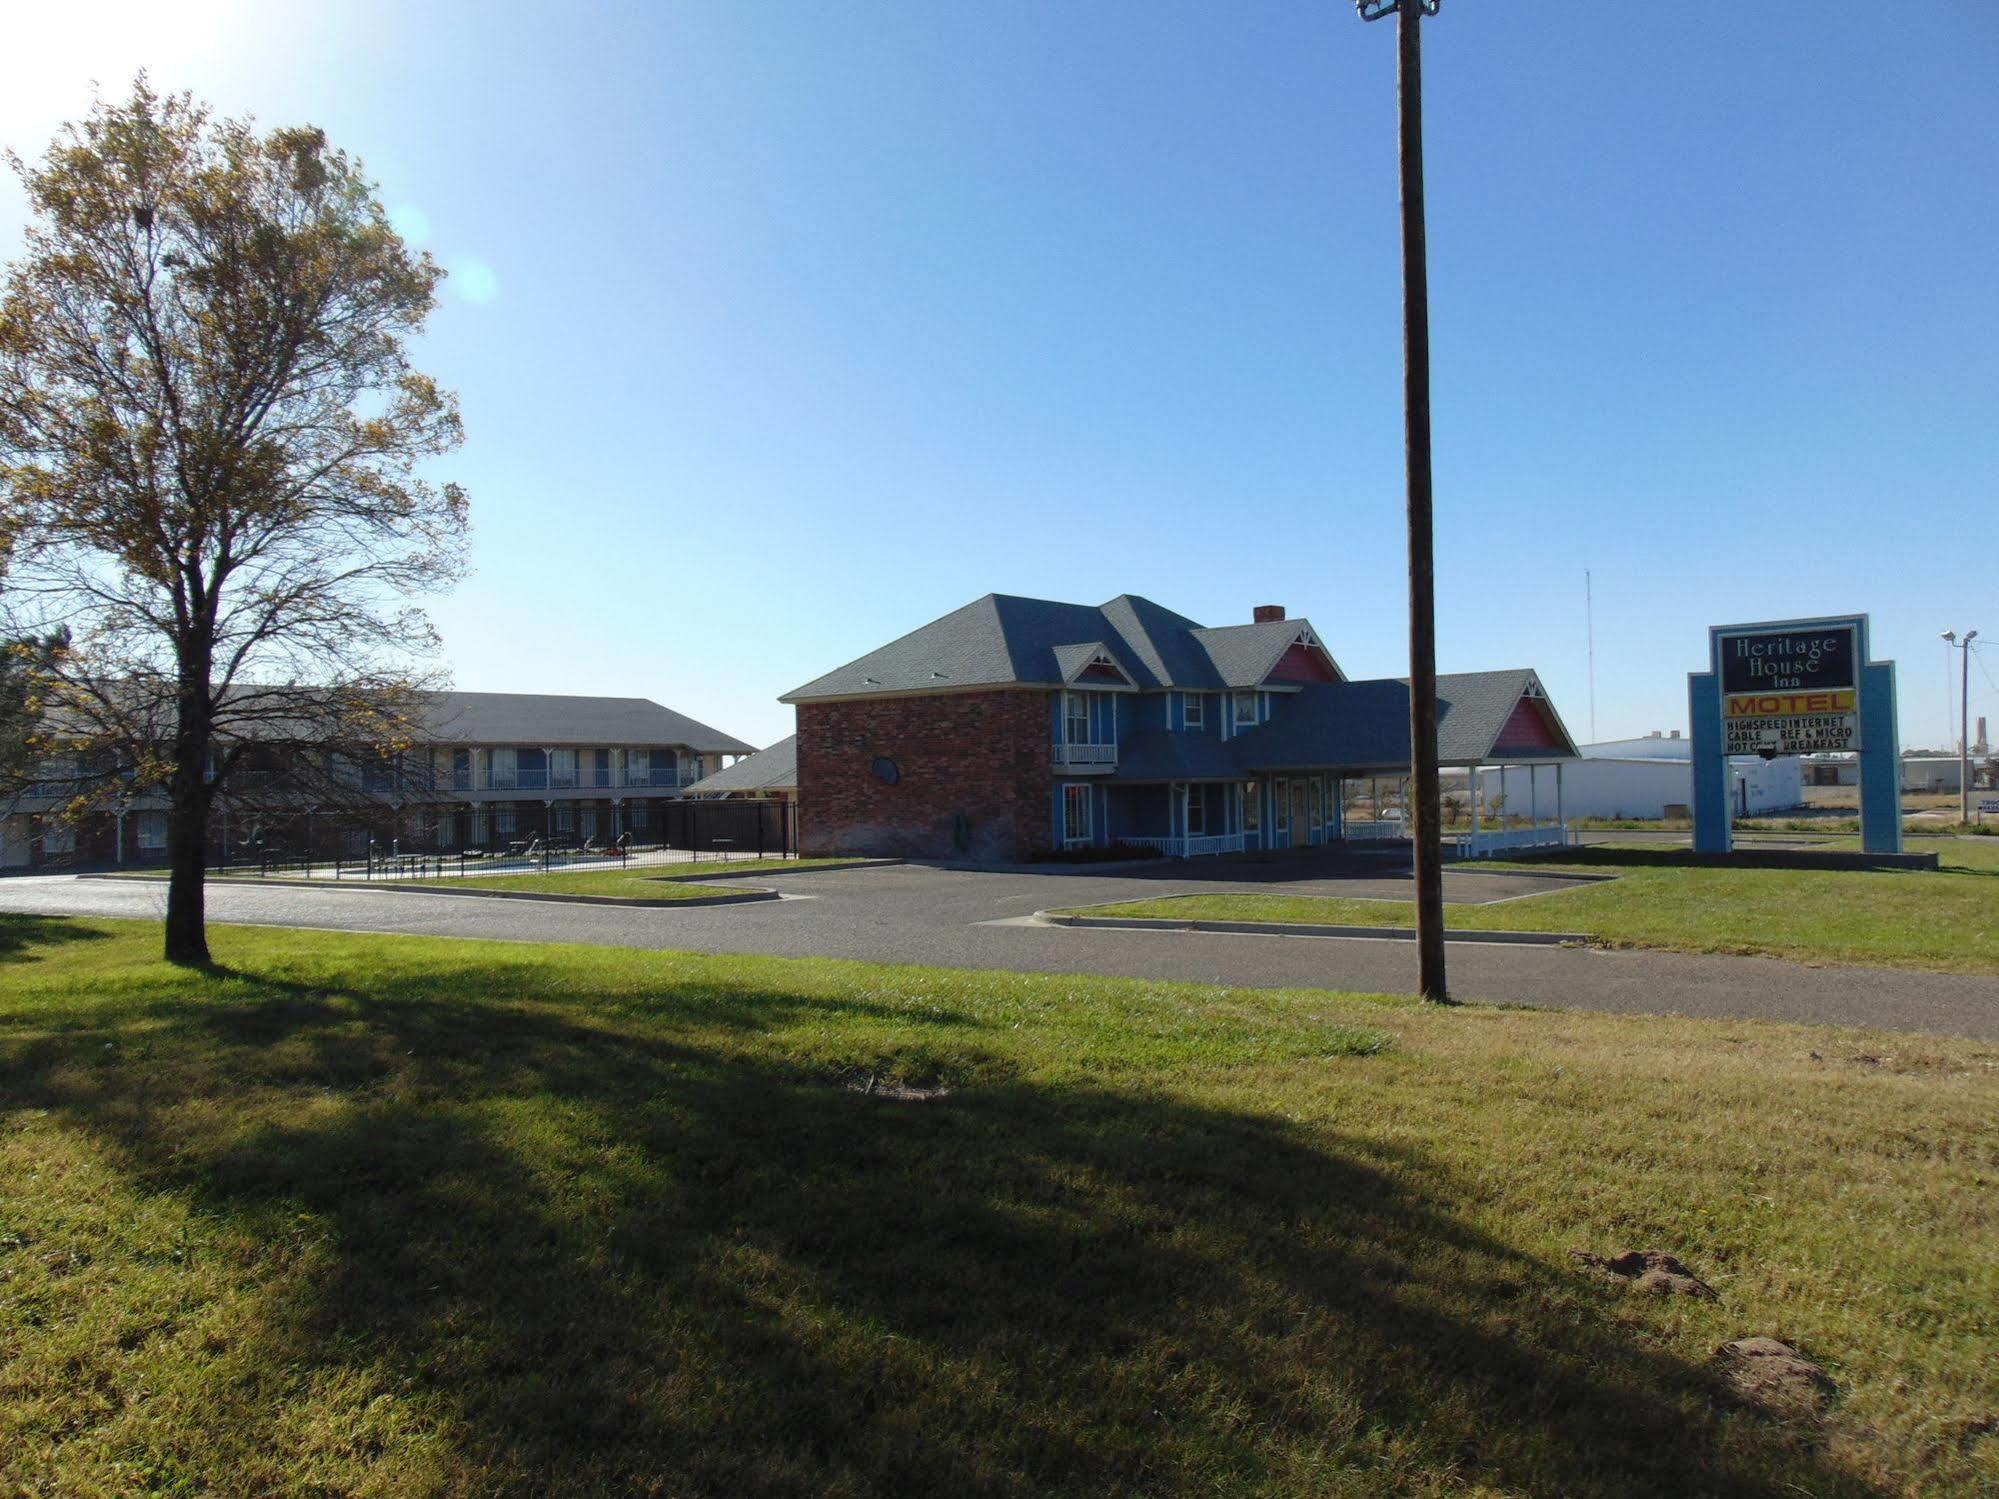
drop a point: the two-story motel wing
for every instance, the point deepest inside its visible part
(486, 769)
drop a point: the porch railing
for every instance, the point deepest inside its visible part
(1189, 847)
(1488, 842)
(1371, 831)
(1086, 756)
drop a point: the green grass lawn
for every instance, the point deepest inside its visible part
(637, 882)
(620, 884)
(401, 1216)
(1947, 920)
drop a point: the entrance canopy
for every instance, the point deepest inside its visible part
(1362, 728)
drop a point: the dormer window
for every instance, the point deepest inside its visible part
(1197, 710)
(1245, 710)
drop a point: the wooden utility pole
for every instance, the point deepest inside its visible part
(1425, 806)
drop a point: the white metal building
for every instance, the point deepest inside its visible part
(1643, 778)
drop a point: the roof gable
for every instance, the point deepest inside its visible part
(1090, 661)
(1252, 655)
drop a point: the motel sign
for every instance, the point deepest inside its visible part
(1794, 687)
(1790, 691)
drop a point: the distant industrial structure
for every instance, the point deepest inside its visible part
(1651, 778)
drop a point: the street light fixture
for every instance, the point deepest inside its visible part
(1426, 800)
(1963, 646)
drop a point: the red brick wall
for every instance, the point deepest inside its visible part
(984, 754)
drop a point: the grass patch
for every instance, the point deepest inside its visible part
(1944, 921)
(616, 884)
(643, 882)
(636, 882)
(404, 1216)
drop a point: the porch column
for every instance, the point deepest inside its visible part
(1475, 783)
(1534, 794)
(1560, 821)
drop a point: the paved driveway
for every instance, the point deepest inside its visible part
(965, 919)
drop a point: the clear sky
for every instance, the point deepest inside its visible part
(782, 328)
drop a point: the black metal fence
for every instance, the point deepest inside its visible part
(670, 833)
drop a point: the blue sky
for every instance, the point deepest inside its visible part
(781, 328)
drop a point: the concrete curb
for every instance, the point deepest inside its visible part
(757, 874)
(1050, 866)
(363, 888)
(1306, 929)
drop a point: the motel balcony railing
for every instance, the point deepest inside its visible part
(1086, 756)
(585, 778)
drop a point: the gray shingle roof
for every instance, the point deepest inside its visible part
(1159, 755)
(1243, 654)
(773, 769)
(1367, 723)
(1004, 641)
(554, 719)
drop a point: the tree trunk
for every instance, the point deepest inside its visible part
(187, 860)
(187, 833)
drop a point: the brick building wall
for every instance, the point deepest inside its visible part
(984, 755)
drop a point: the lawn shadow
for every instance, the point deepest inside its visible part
(645, 1252)
(22, 937)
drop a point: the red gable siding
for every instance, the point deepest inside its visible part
(1528, 728)
(1301, 664)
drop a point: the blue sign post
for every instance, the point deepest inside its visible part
(1794, 687)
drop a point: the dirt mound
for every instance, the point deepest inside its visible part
(897, 1091)
(1774, 1376)
(1652, 1271)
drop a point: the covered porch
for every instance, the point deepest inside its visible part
(1479, 822)
(1181, 819)
(1497, 824)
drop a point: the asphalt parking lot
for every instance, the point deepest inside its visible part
(974, 919)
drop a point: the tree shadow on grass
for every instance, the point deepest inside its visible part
(607, 1254)
(23, 938)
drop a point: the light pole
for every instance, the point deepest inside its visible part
(1963, 647)
(1425, 808)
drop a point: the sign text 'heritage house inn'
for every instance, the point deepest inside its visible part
(1790, 691)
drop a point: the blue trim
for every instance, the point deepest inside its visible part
(1880, 757)
(1713, 833)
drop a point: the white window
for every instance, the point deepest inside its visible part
(58, 837)
(505, 769)
(562, 767)
(1283, 806)
(1076, 719)
(503, 821)
(1252, 808)
(1197, 811)
(152, 832)
(1197, 710)
(1075, 814)
(638, 767)
(1315, 806)
(1245, 709)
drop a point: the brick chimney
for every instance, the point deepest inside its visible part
(1267, 614)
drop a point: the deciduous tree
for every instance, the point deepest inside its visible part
(212, 451)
